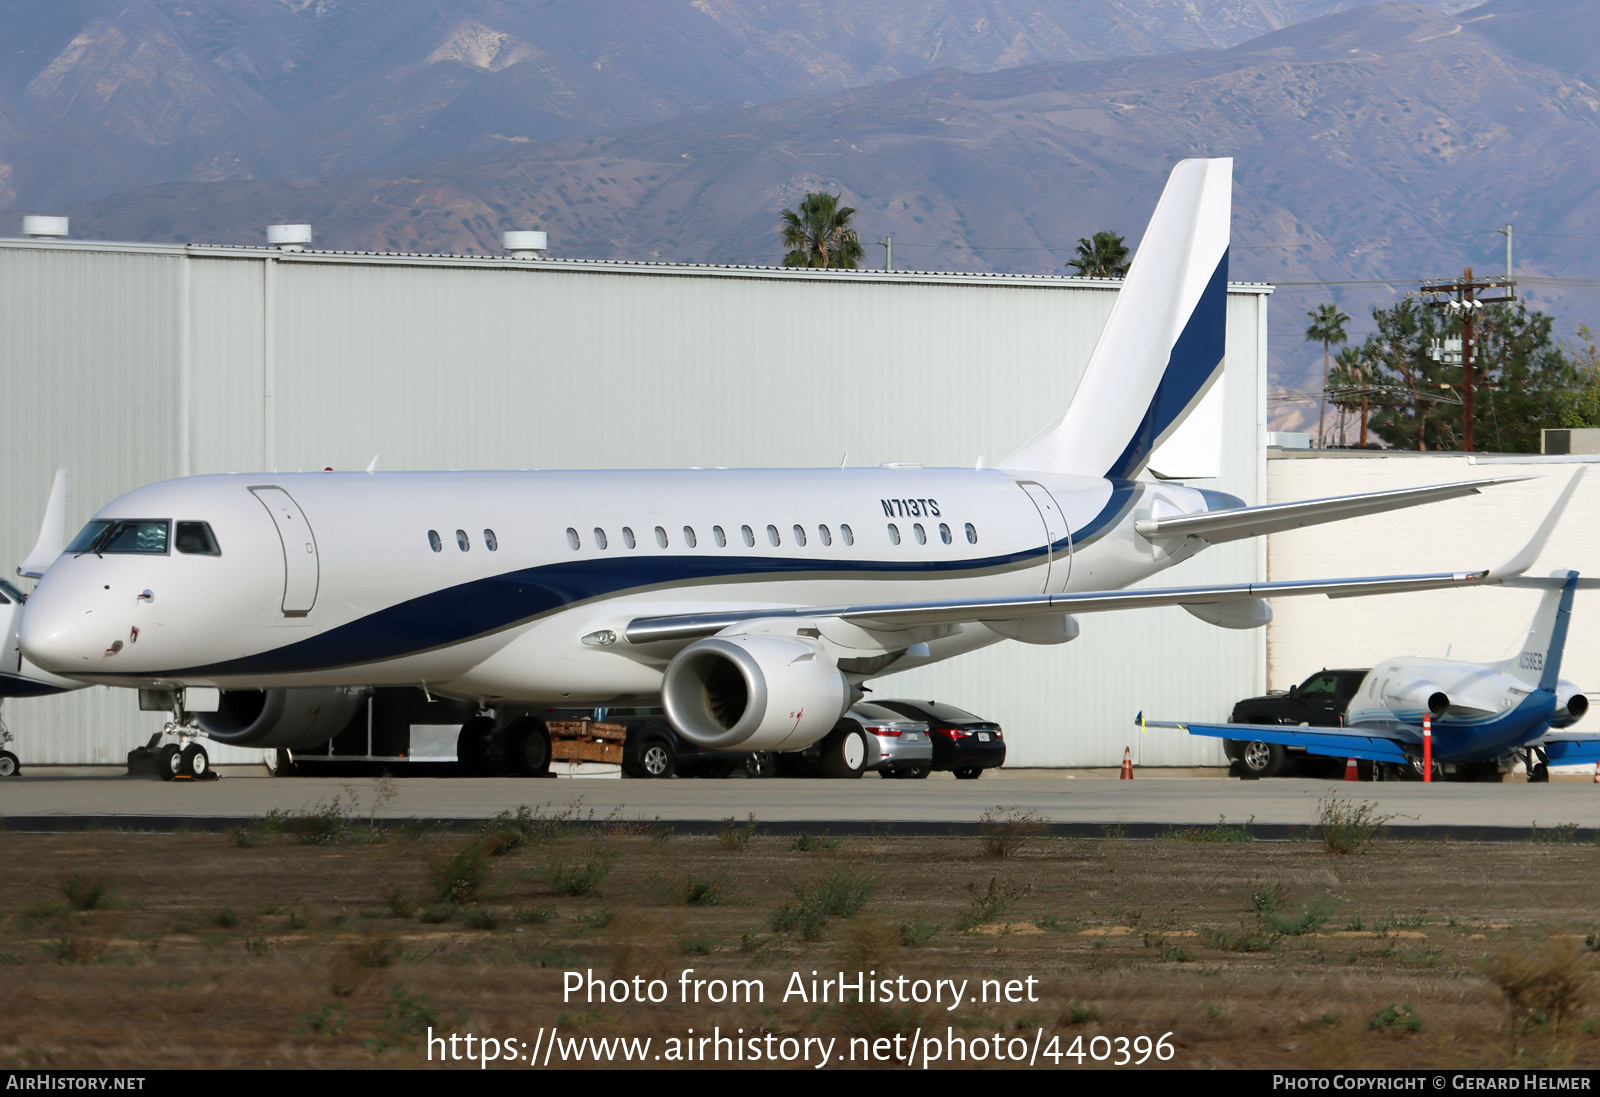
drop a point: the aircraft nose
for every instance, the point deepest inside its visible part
(58, 636)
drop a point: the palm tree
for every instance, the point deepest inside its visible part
(1327, 328)
(1105, 255)
(818, 234)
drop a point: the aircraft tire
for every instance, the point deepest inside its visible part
(844, 752)
(9, 766)
(472, 746)
(169, 761)
(194, 762)
(1539, 774)
(529, 743)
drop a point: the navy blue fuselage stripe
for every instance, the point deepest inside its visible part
(1196, 355)
(12, 685)
(484, 606)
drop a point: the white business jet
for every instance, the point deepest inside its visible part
(1480, 716)
(753, 605)
(19, 677)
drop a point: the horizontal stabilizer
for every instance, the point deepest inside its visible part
(1365, 743)
(1218, 526)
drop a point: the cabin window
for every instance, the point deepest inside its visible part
(627, 536)
(719, 537)
(822, 532)
(434, 542)
(490, 541)
(772, 536)
(572, 539)
(894, 534)
(847, 533)
(661, 537)
(600, 538)
(920, 533)
(800, 536)
(944, 533)
(195, 539)
(972, 534)
(689, 538)
(461, 540)
(749, 536)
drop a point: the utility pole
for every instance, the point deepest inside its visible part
(1506, 232)
(887, 243)
(1462, 297)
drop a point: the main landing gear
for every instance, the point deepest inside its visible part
(9, 765)
(484, 748)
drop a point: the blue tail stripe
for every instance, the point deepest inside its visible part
(1551, 676)
(1196, 355)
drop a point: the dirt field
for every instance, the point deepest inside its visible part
(310, 942)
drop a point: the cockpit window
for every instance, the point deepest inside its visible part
(9, 593)
(196, 539)
(140, 535)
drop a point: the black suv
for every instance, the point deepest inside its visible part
(1320, 702)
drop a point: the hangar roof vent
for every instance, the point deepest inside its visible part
(44, 228)
(525, 245)
(289, 237)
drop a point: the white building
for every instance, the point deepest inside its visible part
(131, 363)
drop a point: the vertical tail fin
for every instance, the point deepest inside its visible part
(1538, 663)
(1162, 346)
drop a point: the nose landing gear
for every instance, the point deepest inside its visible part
(183, 759)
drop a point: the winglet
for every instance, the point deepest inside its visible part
(52, 531)
(1524, 560)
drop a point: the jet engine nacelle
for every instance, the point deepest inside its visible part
(1406, 695)
(1571, 704)
(754, 693)
(294, 718)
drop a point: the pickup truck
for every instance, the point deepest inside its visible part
(1319, 701)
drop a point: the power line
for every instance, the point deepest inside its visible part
(1370, 240)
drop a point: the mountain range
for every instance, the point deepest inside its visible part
(1375, 145)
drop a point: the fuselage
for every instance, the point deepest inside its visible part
(494, 585)
(1490, 713)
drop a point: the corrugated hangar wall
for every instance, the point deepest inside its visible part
(135, 363)
(1479, 623)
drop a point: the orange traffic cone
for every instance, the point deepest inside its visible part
(1127, 764)
(1351, 773)
(1597, 773)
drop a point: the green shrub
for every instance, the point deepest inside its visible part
(1349, 826)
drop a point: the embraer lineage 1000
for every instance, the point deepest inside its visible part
(524, 590)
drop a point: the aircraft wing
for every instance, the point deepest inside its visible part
(1571, 749)
(905, 615)
(1218, 526)
(908, 615)
(1369, 744)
